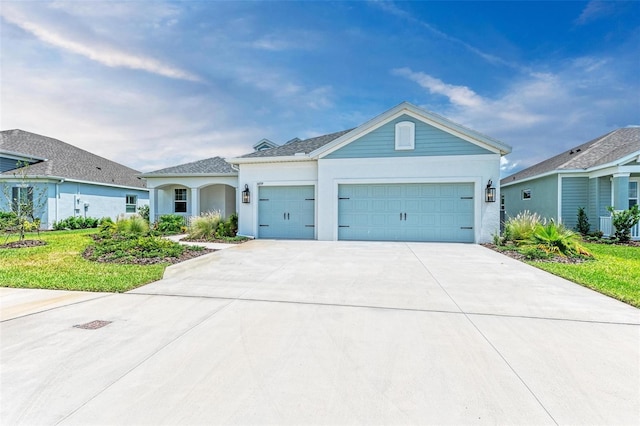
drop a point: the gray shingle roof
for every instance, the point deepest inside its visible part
(602, 150)
(294, 147)
(214, 165)
(65, 161)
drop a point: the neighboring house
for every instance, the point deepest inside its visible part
(193, 188)
(73, 181)
(406, 175)
(600, 173)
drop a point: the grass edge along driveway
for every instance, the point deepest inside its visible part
(615, 271)
(59, 265)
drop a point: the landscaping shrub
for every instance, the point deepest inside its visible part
(133, 225)
(558, 240)
(130, 247)
(76, 222)
(143, 212)
(535, 238)
(205, 226)
(583, 225)
(7, 220)
(623, 221)
(521, 227)
(169, 224)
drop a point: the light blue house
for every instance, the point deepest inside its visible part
(405, 175)
(600, 173)
(74, 182)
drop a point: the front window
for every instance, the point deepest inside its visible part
(180, 200)
(633, 193)
(526, 194)
(22, 199)
(131, 203)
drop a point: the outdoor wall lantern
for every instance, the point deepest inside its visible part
(490, 193)
(246, 195)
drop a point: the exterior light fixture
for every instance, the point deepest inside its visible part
(490, 193)
(246, 195)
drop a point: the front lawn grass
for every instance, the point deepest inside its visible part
(614, 272)
(59, 265)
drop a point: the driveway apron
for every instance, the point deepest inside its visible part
(310, 332)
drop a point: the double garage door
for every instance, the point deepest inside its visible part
(373, 212)
(406, 212)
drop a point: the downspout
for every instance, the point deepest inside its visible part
(57, 197)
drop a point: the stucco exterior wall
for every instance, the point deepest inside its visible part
(66, 199)
(270, 174)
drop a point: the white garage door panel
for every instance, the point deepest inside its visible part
(406, 212)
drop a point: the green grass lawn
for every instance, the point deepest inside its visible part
(614, 272)
(60, 266)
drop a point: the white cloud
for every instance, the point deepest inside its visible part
(458, 95)
(98, 50)
(390, 7)
(593, 11)
(540, 114)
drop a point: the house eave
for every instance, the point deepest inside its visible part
(61, 179)
(174, 175)
(281, 159)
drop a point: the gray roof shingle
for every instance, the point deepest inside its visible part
(214, 165)
(65, 161)
(294, 147)
(602, 150)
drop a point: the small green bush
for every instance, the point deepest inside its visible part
(520, 228)
(170, 224)
(556, 239)
(76, 222)
(623, 221)
(205, 226)
(134, 225)
(583, 225)
(8, 220)
(143, 212)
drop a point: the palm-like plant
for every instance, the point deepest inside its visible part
(557, 239)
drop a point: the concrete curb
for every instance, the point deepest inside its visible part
(182, 267)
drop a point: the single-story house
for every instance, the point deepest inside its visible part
(595, 175)
(405, 175)
(194, 188)
(73, 182)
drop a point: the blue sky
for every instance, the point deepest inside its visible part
(155, 84)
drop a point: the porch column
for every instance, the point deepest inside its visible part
(153, 204)
(621, 191)
(195, 202)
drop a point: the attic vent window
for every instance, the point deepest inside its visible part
(405, 135)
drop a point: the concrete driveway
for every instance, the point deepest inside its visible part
(287, 332)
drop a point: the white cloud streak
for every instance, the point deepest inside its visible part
(539, 114)
(99, 51)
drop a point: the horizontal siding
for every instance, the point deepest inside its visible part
(604, 197)
(544, 197)
(429, 141)
(575, 193)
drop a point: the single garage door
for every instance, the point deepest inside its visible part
(286, 212)
(406, 212)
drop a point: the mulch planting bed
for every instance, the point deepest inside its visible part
(24, 244)
(186, 255)
(519, 256)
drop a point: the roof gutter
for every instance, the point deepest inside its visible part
(281, 159)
